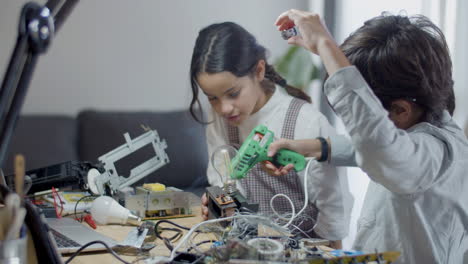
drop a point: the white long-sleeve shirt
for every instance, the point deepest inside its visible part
(417, 201)
(327, 188)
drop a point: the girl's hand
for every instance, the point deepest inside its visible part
(204, 207)
(312, 28)
(274, 171)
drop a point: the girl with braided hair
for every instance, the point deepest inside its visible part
(230, 68)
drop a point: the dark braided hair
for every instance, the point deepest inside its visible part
(229, 47)
(273, 76)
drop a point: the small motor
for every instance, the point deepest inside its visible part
(289, 33)
(223, 204)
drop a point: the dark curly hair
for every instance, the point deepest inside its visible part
(404, 57)
(229, 47)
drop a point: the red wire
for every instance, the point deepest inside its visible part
(55, 195)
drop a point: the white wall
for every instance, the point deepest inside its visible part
(460, 64)
(131, 55)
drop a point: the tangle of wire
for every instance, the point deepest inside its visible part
(169, 240)
(293, 209)
(239, 226)
(185, 238)
(242, 227)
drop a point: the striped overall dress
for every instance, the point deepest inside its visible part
(260, 187)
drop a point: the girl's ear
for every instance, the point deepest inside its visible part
(260, 70)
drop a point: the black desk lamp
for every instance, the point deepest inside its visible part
(37, 27)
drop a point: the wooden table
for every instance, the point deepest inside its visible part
(118, 233)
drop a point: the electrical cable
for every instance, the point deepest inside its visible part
(56, 197)
(306, 193)
(170, 222)
(293, 209)
(158, 230)
(302, 231)
(79, 200)
(173, 238)
(199, 244)
(91, 243)
(168, 241)
(195, 227)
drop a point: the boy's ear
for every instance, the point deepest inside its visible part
(400, 107)
(402, 113)
(260, 70)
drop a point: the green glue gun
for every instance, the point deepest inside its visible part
(255, 149)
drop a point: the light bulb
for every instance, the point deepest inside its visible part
(221, 162)
(106, 210)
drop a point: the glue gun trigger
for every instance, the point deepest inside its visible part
(274, 164)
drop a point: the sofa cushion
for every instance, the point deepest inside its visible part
(101, 132)
(43, 140)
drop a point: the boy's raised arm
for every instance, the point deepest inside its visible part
(382, 150)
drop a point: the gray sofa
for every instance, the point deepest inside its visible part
(50, 139)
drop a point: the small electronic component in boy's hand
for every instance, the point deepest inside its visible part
(288, 33)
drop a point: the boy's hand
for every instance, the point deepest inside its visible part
(314, 37)
(295, 145)
(312, 28)
(305, 147)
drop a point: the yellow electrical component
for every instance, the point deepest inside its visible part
(155, 187)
